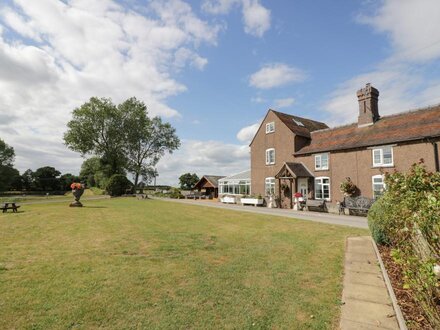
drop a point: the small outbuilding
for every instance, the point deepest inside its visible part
(208, 185)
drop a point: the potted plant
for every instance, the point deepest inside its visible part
(253, 200)
(298, 198)
(77, 191)
(348, 188)
(228, 199)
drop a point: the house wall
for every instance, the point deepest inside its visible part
(358, 165)
(283, 142)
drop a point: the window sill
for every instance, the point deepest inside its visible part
(321, 169)
(270, 164)
(381, 166)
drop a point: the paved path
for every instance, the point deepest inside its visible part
(334, 219)
(366, 303)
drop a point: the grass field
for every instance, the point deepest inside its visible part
(146, 264)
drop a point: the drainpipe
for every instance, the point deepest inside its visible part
(436, 160)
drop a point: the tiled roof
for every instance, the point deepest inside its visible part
(298, 125)
(297, 170)
(213, 179)
(408, 126)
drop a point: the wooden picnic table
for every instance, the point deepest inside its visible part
(10, 206)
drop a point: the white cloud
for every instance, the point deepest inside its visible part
(258, 99)
(256, 18)
(284, 103)
(62, 53)
(247, 133)
(275, 75)
(218, 7)
(203, 157)
(414, 31)
(413, 27)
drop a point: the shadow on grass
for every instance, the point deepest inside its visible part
(95, 207)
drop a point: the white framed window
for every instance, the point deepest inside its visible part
(322, 188)
(321, 162)
(270, 127)
(383, 156)
(378, 185)
(270, 156)
(269, 186)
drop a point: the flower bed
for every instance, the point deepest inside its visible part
(406, 220)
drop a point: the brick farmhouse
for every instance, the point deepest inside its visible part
(291, 154)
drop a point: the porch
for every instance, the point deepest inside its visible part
(293, 178)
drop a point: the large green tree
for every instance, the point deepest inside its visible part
(187, 181)
(97, 129)
(7, 154)
(8, 174)
(146, 139)
(47, 178)
(95, 173)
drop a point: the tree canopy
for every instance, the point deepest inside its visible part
(147, 140)
(7, 154)
(124, 137)
(188, 181)
(97, 129)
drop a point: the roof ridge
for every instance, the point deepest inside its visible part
(290, 115)
(398, 114)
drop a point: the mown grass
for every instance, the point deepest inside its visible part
(145, 264)
(93, 191)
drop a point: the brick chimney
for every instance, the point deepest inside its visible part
(368, 109)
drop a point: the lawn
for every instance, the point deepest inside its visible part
(146, 264)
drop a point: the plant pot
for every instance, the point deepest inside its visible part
(252, 201)
(77, 193)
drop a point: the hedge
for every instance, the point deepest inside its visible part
(407, 218)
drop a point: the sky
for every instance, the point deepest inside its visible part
(212, 68)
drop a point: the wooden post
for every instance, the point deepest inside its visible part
(279, 193)
(291, 193)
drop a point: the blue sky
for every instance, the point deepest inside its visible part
(212, 68)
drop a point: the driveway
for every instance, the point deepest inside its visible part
(334, 219)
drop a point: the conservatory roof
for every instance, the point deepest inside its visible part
(242, 176)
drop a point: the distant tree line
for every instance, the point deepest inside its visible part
(45, 178)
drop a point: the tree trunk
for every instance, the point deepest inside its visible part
(136, 179)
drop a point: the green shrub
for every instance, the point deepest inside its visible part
(97, 191)
(118, 184)
(407, 217)
(379, 221)
(175, 193)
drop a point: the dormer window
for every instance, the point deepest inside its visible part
(321, 162)
(270, 127)
(383, 157)
(299, 123)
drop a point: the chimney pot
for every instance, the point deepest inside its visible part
(368, 105)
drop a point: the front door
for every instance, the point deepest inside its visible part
(303, 187)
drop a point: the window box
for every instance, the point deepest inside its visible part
(252, 201)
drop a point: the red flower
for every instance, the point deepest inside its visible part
(76, 185)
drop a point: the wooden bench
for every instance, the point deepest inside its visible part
(360, 203)
(13, 206)
(315, 204)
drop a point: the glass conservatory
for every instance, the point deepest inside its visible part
(237, 184)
